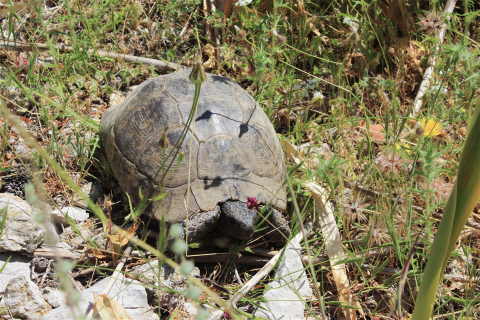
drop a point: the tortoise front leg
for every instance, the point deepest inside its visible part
(199, 224)
(278, 220)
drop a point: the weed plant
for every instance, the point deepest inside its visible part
(326, 73)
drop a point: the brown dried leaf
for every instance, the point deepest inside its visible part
(122, 239)
(311, 26)
(109, 309)
(209, 50)
(375, 131)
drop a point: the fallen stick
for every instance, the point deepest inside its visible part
(21, 46)
(427, 76)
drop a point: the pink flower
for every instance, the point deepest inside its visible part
(252, 203)
(225, 314)
(440, 189)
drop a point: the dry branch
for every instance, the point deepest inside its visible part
(20, 46)
(417, 103)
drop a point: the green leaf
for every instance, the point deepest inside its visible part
(140, 208)
(3, 267)
(4, 218)
(159, 197)
(74, 226)
(464, 197)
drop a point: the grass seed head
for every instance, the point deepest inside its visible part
(431, 23)
(197, 76)
(377, 229)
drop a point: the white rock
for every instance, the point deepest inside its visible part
(21, 232)
(130, 294)
(24, 300)
(54, 297)
(77, 214)
(17, 266)
(291, 286)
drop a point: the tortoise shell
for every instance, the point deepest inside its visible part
(235, 151)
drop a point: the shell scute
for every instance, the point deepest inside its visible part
(223, 157)
(214, 117)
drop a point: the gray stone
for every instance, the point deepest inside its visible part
(167, 275)
(192, 311)
(333, 132)
(21, 232)
(96, 191)
(150, 274)
(24, 300)
(286, 292)
(93, 190)
(54, 297)
(17, 266)
(130, 294)
(22, 149)
(77, 214)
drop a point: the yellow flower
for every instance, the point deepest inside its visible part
(431, 127)
(403, 147)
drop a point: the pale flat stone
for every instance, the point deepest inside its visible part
(24, 299)
(17, 266)
(54, 297)
(130, 294)
(289, 288)
(21, 232)
(77, 214)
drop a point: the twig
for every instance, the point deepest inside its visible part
(114, 276)
(188, 22)
(46, 272)
(77, 285)
(92, 269)
(239, 280)
(21, 46)
(417, 103)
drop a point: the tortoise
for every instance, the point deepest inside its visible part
(235, 154)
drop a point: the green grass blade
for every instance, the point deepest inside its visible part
(465, 196)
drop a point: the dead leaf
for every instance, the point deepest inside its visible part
(311, 27)
(100, 255)
(122, 239)
(375, 131)
(209, 50)
(227, 9)
(109, 309)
